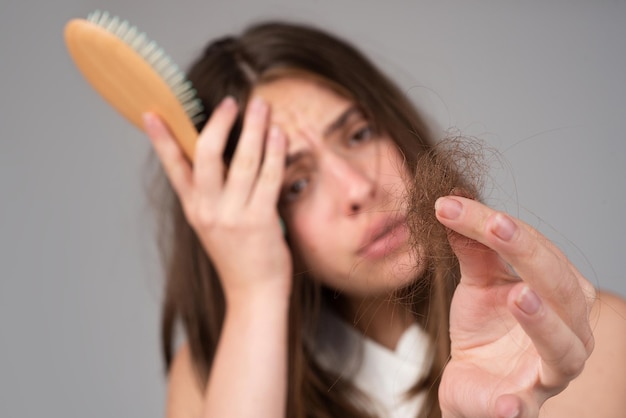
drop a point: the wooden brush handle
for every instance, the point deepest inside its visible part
(126, 80)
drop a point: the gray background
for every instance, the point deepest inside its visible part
(80, 287)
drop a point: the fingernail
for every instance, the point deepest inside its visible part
(528, 301)
(448, 208)
(257, 104)
(504, 227)
(148, 120)
(228, 102)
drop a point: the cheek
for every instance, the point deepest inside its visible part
(313, 236)
(307, 232)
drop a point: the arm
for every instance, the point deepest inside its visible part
(184, 395)
(249, 371)
(234, 214)
(599, 390)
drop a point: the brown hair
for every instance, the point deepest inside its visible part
(193, 294)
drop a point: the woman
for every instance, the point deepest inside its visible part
(308, 258)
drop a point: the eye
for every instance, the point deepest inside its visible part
(363, 134)
(294, 190)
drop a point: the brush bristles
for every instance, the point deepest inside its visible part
(156, 57)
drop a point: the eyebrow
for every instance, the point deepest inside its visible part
(293, 158)
(336, 125)
(341, 120)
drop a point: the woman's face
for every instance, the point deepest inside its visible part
(343, 192)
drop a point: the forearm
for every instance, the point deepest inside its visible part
(249, 373)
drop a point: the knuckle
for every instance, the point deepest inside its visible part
(189, 211)
(217, 223)
(270, 175)
(563, 289)
(574, 366)
(572, 362)
(207, 148)
(205, 219)
(246, 163)
(199, 218)
(532, 248)
(590, 344)
(589, 291)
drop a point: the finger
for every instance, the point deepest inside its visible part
(479, 264)
(265, 195)
(208, 163)
(175, 164)
(562, 351)
(244, 168)
(513, 406)
(531, 255)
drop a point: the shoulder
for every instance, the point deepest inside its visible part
(599, 390)
(184, 394)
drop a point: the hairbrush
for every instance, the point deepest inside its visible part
(134, 75)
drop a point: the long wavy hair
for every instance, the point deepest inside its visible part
(193, 295)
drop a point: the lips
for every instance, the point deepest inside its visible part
(384, 237)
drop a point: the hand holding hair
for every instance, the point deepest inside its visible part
(519, 320)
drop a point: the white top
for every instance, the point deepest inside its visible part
(383, 375)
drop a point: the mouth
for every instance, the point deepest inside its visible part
(384, 238)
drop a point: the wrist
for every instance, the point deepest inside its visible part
(272, 296)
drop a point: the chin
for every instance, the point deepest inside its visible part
(386, 276)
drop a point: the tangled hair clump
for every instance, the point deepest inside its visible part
(453, 166)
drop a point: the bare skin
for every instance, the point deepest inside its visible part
(581, 399)
(232, 215)
(516, 341)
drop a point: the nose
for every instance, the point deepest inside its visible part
(354, 187)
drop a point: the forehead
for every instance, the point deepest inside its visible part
(299, 104)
